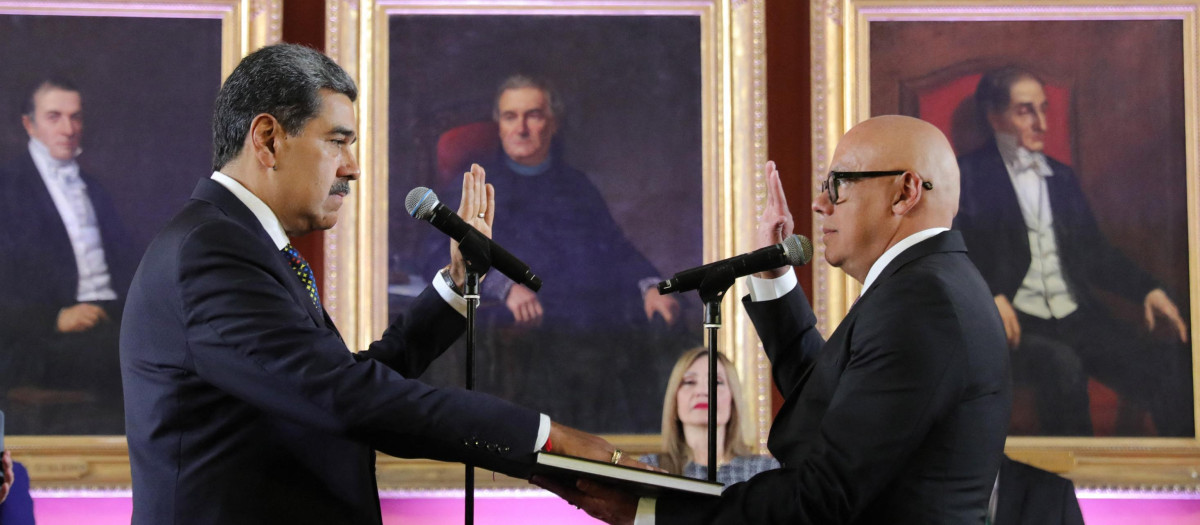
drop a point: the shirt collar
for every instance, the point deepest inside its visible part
(528, 171)
(47, 163)
(1018, 159)
(895, 251)
(259, 208)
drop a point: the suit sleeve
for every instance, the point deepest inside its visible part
(249, 337)
(1087, 250)
(788, 330)
(418, 335)
(903, 368)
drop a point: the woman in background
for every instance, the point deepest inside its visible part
(685, 423)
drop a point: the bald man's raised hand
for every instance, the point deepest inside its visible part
(775, 223)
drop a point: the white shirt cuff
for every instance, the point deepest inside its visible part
(645, 511)
(771, 289)
(457, 302)
(543, 432)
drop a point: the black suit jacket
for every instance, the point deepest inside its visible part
(1032, 496)
(899, 418)
(37, 264)
(989, 217)
(244, 405)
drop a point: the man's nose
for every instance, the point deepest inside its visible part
(821, 203)
(1040, 122)
(349, 167)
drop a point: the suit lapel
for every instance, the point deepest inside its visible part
(53, 230)
(1005, 208)
(212, 192)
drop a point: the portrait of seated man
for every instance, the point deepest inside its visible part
(1029, 228)
(64, 273)
(598, 321)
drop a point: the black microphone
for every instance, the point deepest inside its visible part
(423, 204)
(796, 250)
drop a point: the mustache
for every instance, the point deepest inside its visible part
(340, 187)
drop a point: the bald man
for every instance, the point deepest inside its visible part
(899, 417)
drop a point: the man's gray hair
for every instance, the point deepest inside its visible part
(284, 81)
(519, 81)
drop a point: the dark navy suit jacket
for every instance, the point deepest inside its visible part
(244, 405)
(1031, 496)
(900, 417)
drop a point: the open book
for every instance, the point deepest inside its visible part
(567, 469)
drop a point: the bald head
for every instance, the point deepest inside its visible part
(895, 142)
(897, 176)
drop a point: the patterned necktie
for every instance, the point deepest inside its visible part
(304, 272)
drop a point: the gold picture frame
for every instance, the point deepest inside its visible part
(74, 463)
(733, 102)
(843, 89)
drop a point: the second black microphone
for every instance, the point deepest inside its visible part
(795, 250)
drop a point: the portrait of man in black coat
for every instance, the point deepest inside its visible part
(64, 270)
(1032, 233)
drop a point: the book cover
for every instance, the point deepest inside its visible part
(643, 483)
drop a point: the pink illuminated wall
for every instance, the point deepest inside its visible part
(530, 507)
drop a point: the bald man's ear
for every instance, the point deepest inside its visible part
(908, 194)
(265, 133)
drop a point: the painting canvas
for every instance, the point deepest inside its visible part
(1114, 131)
(140, 125)
(615, 208)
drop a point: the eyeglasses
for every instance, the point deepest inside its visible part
(833, 182)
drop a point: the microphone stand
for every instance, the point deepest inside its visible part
(712, 291)
(475, 251)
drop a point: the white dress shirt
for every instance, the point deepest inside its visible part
(69, 193)
(270, 222)
(1043, 293)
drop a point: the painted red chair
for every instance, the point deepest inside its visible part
(459, 147)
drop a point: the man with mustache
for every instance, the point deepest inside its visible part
(244, 405)
(64, 270)
(1031, 232)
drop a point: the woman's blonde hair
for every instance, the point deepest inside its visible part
(676, 453)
